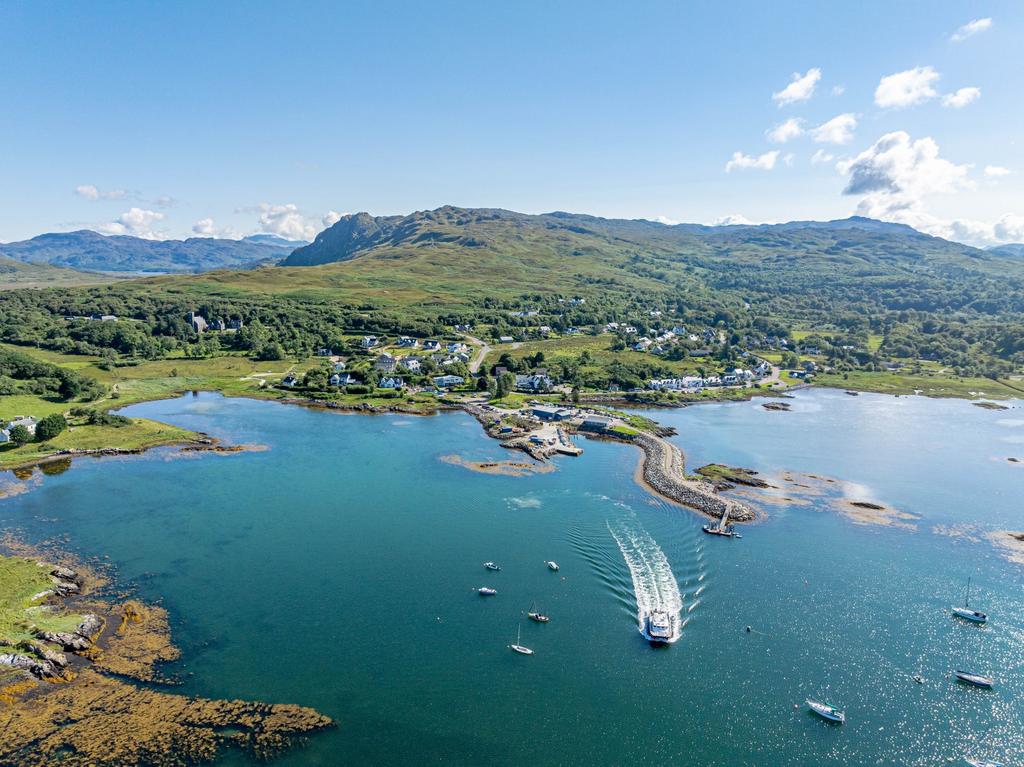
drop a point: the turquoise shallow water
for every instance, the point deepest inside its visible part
(336, 570)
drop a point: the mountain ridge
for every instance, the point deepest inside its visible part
(85, 249)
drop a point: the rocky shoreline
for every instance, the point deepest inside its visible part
(70, 694)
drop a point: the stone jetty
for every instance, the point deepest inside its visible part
(664, 471)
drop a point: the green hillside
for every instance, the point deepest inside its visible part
(873, 291)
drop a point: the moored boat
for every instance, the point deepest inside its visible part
(965, 612)
(536, 615)
(725, 532)
(519, 647)
(491, 566)
(974, 679)
(552, 565)
(980, 763)
(825, 711)
(484, 591)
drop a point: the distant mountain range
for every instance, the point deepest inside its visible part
(88, 250)
(1016, 249)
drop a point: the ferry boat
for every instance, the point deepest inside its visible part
(975, 679)
(491, 566)
(825, 711)
(659, 627)
(484, 591)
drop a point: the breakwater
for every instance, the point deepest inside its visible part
(663, 470)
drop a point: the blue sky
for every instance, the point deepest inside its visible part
(167, 119)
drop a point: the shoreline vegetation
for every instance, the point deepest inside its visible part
(81, 678)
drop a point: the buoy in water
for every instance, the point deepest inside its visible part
(748, 629)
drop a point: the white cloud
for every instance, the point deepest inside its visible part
(895, 176)
(838, 130)
(996, 171)
(164, 201)
(135, 222)
(788, 159)
(904, 89)
(821, 156)
(970, 29)
(961, 98)
(838, 90)
(285, 221)
(665, 220)
(765, 161)
(90, 192)
(733, 219)
(1009, 228)
(784, 131)
(204, 228)
(330, 218)
(800, 88)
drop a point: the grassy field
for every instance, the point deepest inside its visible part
(21, 580)
(932, 385)
(569, 348)
(141, 434)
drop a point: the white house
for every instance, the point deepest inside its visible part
(391, 382)
(505, 339)
(533, 382)
(411, 364)
(446, 382)
(405, 342)
(431, 346)
(369, 342)
(289, 381)
(456, 348)
(341, 379)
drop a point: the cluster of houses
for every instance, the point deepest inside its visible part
(19, 420)
(731, 377)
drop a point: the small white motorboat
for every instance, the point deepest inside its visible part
(965, 612)
(491, 566)
(484, 591)
(518, 646)
(975, 679)
(552, 565)
(979, 763)
(825, 711)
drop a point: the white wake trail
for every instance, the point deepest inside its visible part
(653, 582)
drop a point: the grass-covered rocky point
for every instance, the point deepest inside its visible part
(72, 664)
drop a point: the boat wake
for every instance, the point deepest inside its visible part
(656, 588)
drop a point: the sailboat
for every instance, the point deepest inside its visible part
(969, 677)
(965, 612)
(536, 615)
(518, 647)
(825, 711)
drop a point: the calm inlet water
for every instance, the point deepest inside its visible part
(337, 569)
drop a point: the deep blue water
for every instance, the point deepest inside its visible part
(336, 570)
